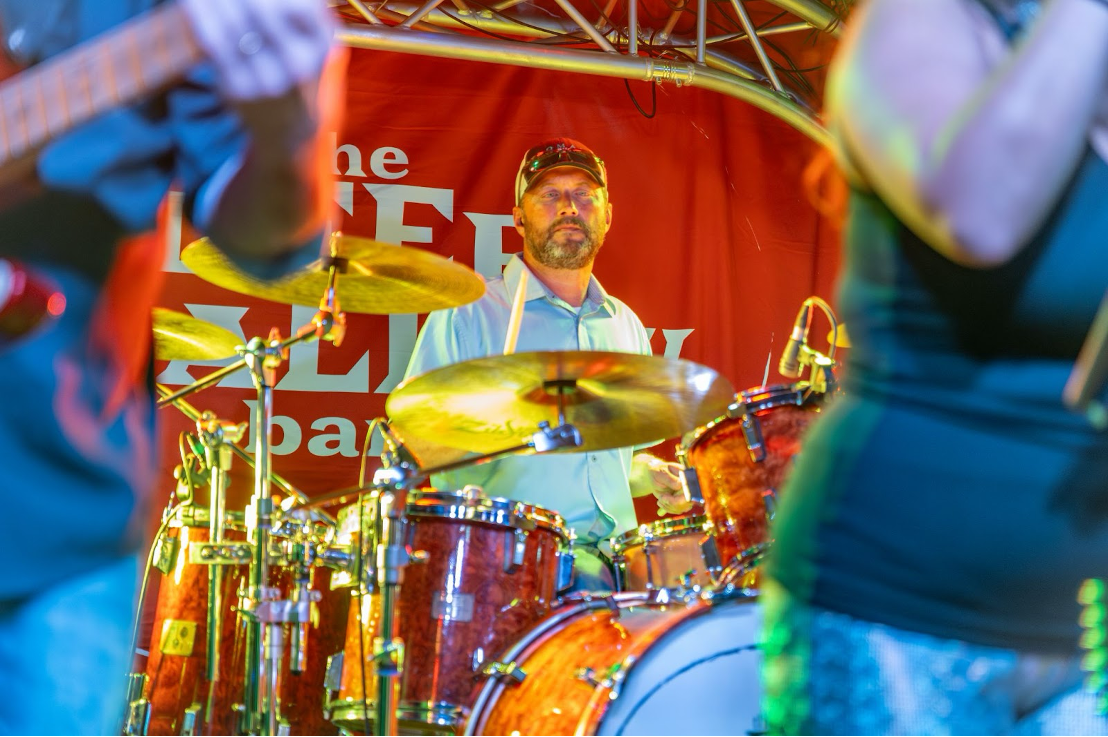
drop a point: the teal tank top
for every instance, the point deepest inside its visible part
(949, 491)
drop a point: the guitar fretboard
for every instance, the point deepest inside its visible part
(134, 59)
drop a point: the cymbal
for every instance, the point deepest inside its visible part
(376, 278)
(614, 399)
(179, 336)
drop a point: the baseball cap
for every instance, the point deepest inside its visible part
(554, 153)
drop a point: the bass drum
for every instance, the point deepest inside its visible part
(632, 663)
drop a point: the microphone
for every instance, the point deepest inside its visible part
(395, 447)
(789, 364)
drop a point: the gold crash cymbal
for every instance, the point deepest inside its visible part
(613, 399)
(178, 336)
(377, 278)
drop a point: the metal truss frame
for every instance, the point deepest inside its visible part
(730, 58)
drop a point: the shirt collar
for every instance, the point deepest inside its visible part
(596, 297)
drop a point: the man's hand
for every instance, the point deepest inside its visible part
(262, 49)
(650, 475)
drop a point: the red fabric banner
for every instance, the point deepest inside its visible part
(714, 243)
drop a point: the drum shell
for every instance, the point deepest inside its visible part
(629, 665)
(177, 681)
(733, 482)
(660, 554)
(483, 584)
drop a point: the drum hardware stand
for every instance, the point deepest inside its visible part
(392, 483)
(263, 613)
(217, 437)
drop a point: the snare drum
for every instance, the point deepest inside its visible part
(179, 698)
(489, 569)
(631, 663)
(661, 554)
(737, 462)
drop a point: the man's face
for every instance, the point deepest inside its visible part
(563, 218)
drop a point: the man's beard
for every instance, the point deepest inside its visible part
(562, 255)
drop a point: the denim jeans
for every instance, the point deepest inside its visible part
(828, 673)
(64, 654)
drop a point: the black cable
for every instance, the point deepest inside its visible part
(167, 517)
(653, 98)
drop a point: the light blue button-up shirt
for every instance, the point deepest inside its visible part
(590, 490)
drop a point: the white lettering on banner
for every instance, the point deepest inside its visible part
(391, 199)
(489, 258)
(387, 155)
(303, 374)
(674, 340)
(353, 158)
(344, 442)
(344, 196)
(402, 337)
(227, 317)
(290, 432)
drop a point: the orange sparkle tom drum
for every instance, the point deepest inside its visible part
(736, 464)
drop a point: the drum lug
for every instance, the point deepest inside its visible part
(332, 679)
(691, 482)
(515, 548)
(611, 680)
(769, 499)
(505, 671)
(566, 560)
(191, 717)
(752, 432)
(165, 553)
(710, 553)
(478, 659)
(137, 720)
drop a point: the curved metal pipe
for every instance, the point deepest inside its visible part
(473, 48)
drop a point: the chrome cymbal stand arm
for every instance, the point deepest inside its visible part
(261, 661)
(388, 647)
(217, 438)
(545, 440)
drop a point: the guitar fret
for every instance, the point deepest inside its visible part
(4, 128)
(21, 113)
(131, 41)
(63, 97)
(139, 57)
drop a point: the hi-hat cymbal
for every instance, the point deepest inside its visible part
(375, 278)
(178, 336)
(614, 399)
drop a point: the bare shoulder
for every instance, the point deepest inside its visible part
(908, 65)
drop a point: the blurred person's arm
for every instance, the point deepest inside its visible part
(968, 142)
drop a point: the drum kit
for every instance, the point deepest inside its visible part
(414, 610)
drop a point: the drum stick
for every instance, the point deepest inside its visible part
(517, 313)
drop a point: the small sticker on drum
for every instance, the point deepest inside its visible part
(453, 607)
(178, 637)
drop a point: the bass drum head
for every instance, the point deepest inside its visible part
(699, 678)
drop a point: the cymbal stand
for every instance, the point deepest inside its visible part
(392, 483)
(264, 613)
(217, 438)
